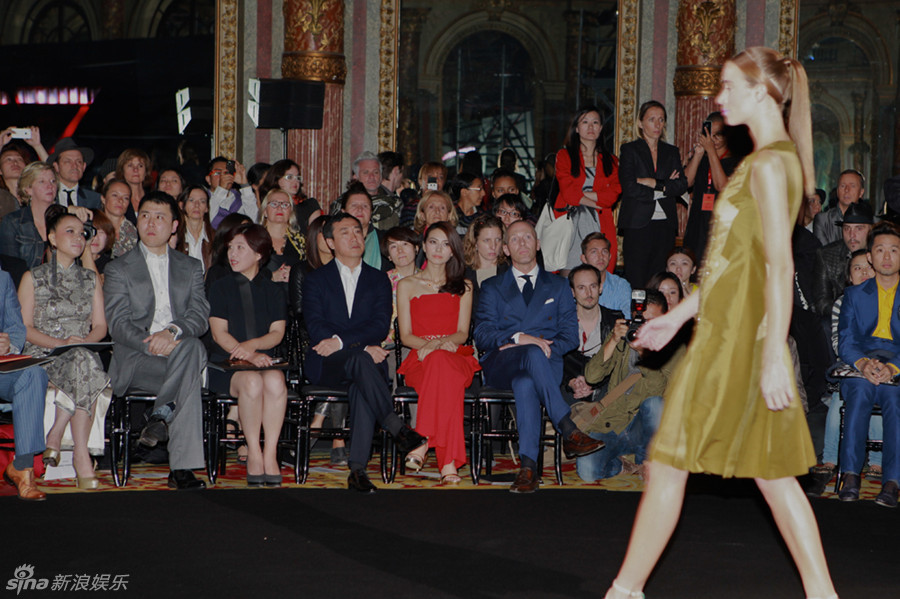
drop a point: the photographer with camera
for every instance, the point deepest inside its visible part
(229, 190)
(628, 416)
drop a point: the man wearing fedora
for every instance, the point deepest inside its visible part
(850, 189)
(69, 161)
(830, 272)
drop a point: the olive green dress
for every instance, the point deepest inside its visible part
(715, 419)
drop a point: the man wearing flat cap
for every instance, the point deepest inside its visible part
(830, 272)
(69, 161)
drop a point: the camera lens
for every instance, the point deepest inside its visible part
(631, 335)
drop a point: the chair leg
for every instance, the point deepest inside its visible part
(837, 483)
(557, 458)
(212, 439)
(126, 447)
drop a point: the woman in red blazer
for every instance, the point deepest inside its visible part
(596, 186)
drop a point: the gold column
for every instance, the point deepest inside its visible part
(314, 51)
(705, 42)
(411, 23)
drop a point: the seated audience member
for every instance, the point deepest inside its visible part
(682, 262)
(13, 159)
(69, 161)
(196, 229)
(156, 311)
(434, 308)
(255, 176)
(219, 250)
(434, 207)
(432, 177)
(249, 330)
(830, 271)
(25, 390)
(357, 202)
(525, 324)
(102, 242)
(133, 167)
(62, 304)
(850, 190)
(229, 191)
(285, 175)
(615, 292)
(467, 192)
(812, 206)
(171, 181)
(386, 204)
(503, 182)
(508, 161)
(345, 336)
(544, 182)
(402, 245)
(594, 324)
(869, 339)
(23, 232)
(669, 285)
(510, 208)
(483, 250)
(629, 421)
(288, 245)
(116, 199)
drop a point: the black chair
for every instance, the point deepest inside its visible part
(871, 445)
(121, 435)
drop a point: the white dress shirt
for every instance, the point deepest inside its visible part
(222, 198)
(195, 246)
(158, 265)
(349, 279)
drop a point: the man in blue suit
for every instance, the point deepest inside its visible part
(347, 309)
(869, 339)
(525, 323)
(69, 161)
(25, 389)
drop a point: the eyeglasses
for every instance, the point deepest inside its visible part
(293, 178)
(512, 213)
(474, 188)
(280, 204)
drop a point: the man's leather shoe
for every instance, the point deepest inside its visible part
(155, 432)
(577, 445)
(527, 481)
(359, 481)
(849, 489)
(184, 480)
(888, 495)
(407, 439)
(23, 481)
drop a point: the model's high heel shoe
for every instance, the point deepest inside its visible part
(51, 457)
(87, 483)
(623, 592)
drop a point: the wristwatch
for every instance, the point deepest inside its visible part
(174, 330)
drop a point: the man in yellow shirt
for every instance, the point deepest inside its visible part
(869, 338)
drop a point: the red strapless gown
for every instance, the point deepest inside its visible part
(441, 379)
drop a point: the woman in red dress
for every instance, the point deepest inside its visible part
(588, 175)
(434, 308)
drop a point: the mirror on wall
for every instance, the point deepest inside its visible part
(484, 76)
(850, 50)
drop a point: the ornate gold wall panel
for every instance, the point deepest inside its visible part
(626, 70)
(314, 41)
(787, 27)
(225, 126)
(387, 93)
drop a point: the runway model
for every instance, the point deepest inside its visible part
(732, 409)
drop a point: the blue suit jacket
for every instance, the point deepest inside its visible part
(11, 315)
(859, 317)
(502, 313)
(325, 312)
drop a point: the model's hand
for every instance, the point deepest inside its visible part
(377, 352)
(655, 334)
(544, 344)
(326, 347)
(775, 384)
(161, 343)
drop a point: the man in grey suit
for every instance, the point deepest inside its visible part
(157, 310)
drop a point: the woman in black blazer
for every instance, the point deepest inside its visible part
(652, 181)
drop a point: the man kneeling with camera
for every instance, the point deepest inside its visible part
(627, 417)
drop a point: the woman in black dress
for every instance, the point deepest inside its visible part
(247, 319)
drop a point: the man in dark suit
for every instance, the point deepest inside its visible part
(830, 270)
(347, 309)
(869, 339)
(69, 161)
(157, 310)
(525, 324)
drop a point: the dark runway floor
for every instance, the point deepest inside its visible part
(420, 543)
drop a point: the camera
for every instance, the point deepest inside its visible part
(89, 230)
(20, 133)
(638, 305)
(229, 167)
(707, 127)
(432, 184)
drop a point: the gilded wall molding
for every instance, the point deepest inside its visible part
(696, 81)
(314, 66)
(225, 125)
(626, 70)
(788, 23)
(388, 65)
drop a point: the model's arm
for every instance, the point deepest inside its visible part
(768, 184)
(655, 334)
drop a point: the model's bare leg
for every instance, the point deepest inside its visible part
(656, 519)
(797, 524)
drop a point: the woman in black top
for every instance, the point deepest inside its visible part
(247, 318)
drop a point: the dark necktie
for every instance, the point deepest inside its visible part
(527, 288)
(69, 193)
